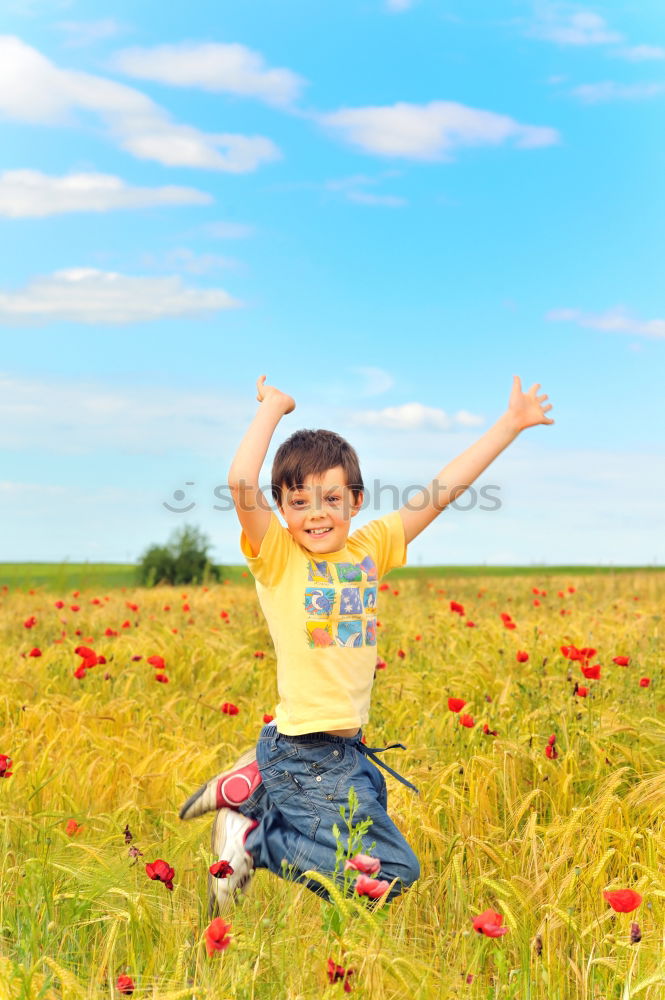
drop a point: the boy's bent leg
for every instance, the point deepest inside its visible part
(306, 780)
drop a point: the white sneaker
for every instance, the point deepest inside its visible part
(229, 788)
(229, 832)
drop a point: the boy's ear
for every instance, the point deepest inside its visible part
(357, 504)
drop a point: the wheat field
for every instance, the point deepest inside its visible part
(97, 765)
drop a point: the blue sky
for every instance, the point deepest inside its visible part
(388, 207)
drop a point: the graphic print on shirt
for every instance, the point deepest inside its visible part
(350, 633)
(320, 634)
(318, 572)
(319, 600)
(341, 615)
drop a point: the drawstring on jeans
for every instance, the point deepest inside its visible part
(371, 752)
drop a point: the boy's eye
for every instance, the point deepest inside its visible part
(334, 499)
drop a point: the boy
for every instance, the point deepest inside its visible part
(317, 588)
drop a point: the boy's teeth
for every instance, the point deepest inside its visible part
(318, 531)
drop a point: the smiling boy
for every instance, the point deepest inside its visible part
(317, 586)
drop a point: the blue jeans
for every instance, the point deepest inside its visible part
(305, 781)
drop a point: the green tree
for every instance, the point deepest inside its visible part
(184, 559)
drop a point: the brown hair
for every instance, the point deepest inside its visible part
(313, 453)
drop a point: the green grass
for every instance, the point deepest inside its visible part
(67, 576)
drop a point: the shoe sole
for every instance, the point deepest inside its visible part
(209, 789)
(220, 893)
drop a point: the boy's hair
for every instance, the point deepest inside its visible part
(313, 453)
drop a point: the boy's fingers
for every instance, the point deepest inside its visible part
(546, 408)
(541, 399)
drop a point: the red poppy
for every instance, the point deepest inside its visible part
(456, 704)
(79, 673)
(167, 607)
(35, 652)
(380, 664)
(571, 590)
(489, 923)
(591, 673)
(505, 617)
(581, 691)
(229, 709)
(259, 654)
(522, 657)
(489, 732)
(221, 869)
(560, 593)
(5, 765)
(509, 625)
(401, 654)
(534, 590)
(586, 653)
(621, 661)
(363, 863)
(571, 652)
(74, 607)
(372, 887)
(384, 586)
(217, 935)
(126, 624)
(59, 604)
(550, 750)
(470, 624)
(396, 593)
(110, 631)
(467, 720)
(125, 984)
(457, 608)
(72, 827)
(337, 973)
(644, 682)
(132, 607)
(161, 872)
(30, 622)
(268, 718)
(162, 678)
(536, 603)
(156, 661)
(623, 900)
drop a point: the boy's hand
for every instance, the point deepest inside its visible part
(525, 408)
(263, 391)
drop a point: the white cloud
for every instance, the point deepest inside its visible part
(228, 230)
(567, 24)
(80, 34)
(431, 131)
(32, 194)
(376, 380)
(414, 416)
(368, 198)
(641, 53)
(78, 416)
(33, 89)
(86, 295)
(616, 320)
(184, 259)
(232, 69)
(353, 189)
(594, 93)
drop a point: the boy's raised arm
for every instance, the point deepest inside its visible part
(250, 504)
(525, 409)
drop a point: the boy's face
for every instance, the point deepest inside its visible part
(325, 502)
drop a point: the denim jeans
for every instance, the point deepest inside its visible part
(305, 781)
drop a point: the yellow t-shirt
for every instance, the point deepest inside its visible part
(321, 613)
